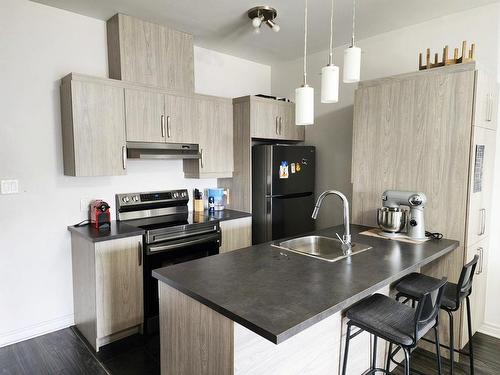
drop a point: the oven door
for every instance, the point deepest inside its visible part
(168, 253)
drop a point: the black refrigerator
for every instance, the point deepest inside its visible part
(282, 191)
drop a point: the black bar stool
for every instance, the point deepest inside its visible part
(396, 323)
(411, 286)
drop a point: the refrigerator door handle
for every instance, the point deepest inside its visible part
(269, 218)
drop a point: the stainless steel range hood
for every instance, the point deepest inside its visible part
(153, 150)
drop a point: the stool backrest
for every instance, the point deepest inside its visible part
(465, 281)
(428, 306)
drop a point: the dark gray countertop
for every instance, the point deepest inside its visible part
(277, 293)
(227, 214)
(122, 229)
(117, 230)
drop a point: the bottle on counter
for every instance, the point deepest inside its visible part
(198, 205)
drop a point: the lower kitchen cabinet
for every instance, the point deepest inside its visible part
(236, 234)
(93, 118)
(107, 288)
(214, 118)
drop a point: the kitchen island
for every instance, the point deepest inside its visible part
(266, 310)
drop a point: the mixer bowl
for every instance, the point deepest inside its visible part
(391, 219)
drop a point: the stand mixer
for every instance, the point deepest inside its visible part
(397, 222)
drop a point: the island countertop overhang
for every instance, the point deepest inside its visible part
(277, 294)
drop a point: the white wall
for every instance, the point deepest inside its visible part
(384, 55)
(38, 46)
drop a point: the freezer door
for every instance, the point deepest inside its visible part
(292, 170)
(291, 215)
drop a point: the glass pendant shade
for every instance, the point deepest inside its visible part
(330, 84)
(352, 64)
(304, 105)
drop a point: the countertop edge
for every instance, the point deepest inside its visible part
(132, 233)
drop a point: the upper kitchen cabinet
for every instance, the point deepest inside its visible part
(272, 119)
(144, 52)
(214, 119)
(179, 124)
(144, 116)
(92, 117)
(154, 116)
(486, 101)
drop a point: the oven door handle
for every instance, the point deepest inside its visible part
(188, 242)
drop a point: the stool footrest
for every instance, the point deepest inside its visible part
(446, 347)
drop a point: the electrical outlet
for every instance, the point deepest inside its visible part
(9, 186)
(84, 204)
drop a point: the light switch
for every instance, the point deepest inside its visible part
(9, 186)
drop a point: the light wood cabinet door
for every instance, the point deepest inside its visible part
(176, 60)
(264, 118)
(236, 234)
(478, 296)
(93, 118)
(287, 128)
(144, 52)
(133, 50)
(214, 119)
(119, 285)
(144, 116)
(179, 124)
(480, 184)
(486, 101)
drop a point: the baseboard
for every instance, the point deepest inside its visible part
(490, 329)
(35, 330)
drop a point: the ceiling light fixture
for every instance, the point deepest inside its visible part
(330, 74)
(304, 95)
(263, 14)
(352, 55)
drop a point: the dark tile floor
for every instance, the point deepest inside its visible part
(64, 352)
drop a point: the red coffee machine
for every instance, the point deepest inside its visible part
(99, 214)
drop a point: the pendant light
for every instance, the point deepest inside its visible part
(330, 74)
(304, 95)
(352, 55)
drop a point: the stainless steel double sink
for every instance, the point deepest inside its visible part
(326, 248)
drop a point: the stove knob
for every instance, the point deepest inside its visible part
(183, 194)
(135, 198)
(175, 195)
(125, 199)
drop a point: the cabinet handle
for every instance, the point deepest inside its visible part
(482, 228)
(168, 126)
(139, 251)
(201, 157)
(480, 251)
(277, 125)
(281, 125)
(124, 157)
(163, 126)
(490, 108)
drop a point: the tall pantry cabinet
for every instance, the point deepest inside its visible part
(432, 131)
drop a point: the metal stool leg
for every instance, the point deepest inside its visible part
(346, 350)
(438, 352)
(452, 343)
(374, 358)
(469, 327)
(407, 353)
(388, 362)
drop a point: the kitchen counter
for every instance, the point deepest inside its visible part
(117, 230)
(278, 294)
(122, 229)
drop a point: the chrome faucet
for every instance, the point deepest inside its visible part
(346, 238)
